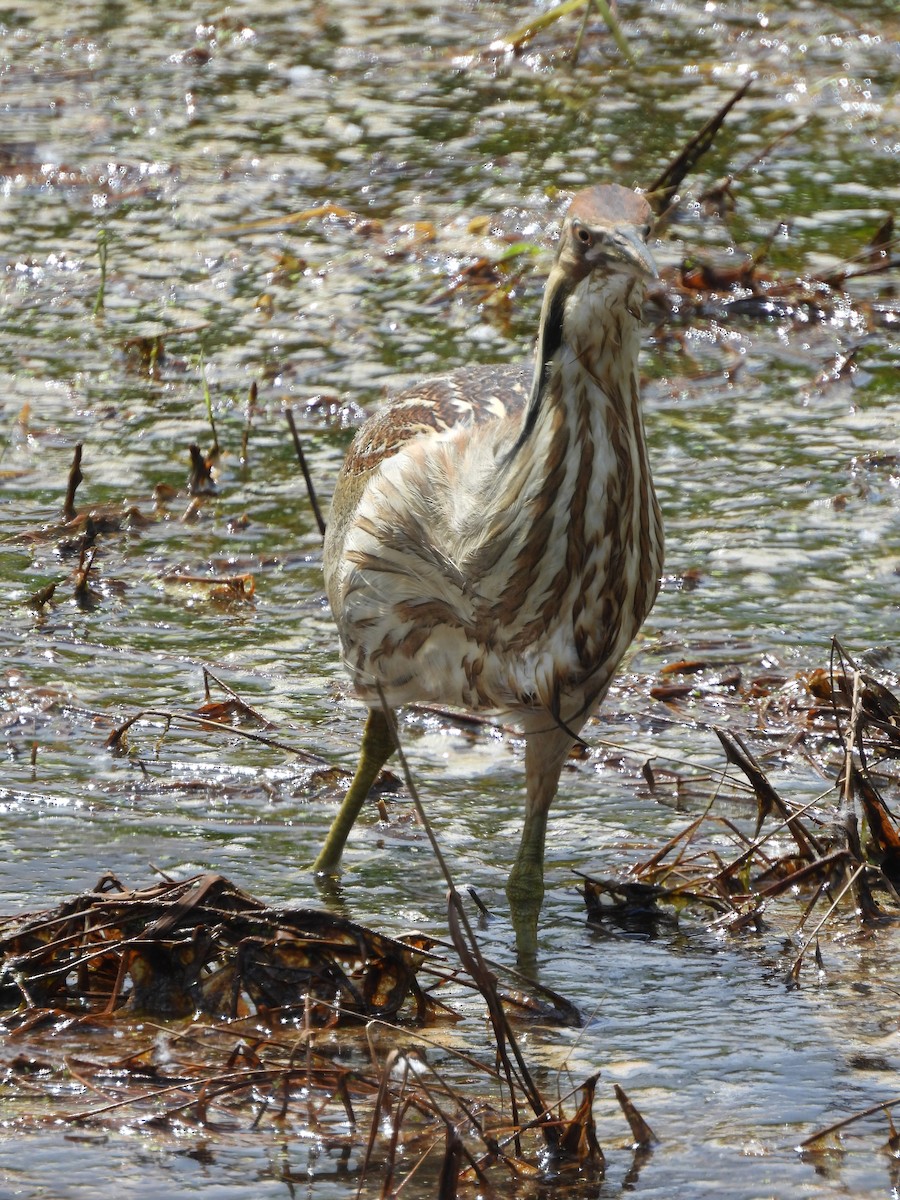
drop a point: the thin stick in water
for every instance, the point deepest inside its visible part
(310, 490)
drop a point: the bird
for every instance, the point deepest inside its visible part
(495, 542)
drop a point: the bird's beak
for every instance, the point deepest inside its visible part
(624, 249)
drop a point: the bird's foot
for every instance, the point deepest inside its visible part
(330, 889)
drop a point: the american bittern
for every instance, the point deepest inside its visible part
(494, 540)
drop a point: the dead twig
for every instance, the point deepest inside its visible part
(662, 191)
(114, 740)
(310, 488)
(737, 752)
(884, 1106)
(75, 478)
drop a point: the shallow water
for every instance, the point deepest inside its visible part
(171, 133)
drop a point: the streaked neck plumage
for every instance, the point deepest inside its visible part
(580, 464)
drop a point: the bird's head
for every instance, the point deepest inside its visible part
(603, 242)
(605, 231)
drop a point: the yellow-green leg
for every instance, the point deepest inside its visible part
(546, 749)
(377, 748)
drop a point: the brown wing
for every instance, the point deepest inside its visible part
(470, 396)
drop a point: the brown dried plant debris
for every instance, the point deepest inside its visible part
(743, 287)
(202, 945)
(231, 715)
(78, 535)
(834, 852)
(78, 528)
(255, 1000)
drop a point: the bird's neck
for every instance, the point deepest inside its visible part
(592, 536)
(585, 384)
(596, 323)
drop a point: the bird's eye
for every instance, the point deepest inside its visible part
(584, 235)
(646, 230)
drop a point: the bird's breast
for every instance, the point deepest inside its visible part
(472, 580)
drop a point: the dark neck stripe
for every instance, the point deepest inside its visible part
(550, 341)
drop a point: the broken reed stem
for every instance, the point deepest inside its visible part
(643, 1135)
(846, 780)
(582, 29)
(207, 399)
(798, 961)
(417, 802)
(75, 478)
(850, 782)
(737, 752)
(310, 489)
(248, 423)
(662, 191)
(393, 1057)
(229, 691)
(470, 955)
(840, 654)
(411, 1173)
(449, 1179)
(612, 24)
(114, 739)
(885, 1106)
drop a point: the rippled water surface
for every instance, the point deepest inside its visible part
(286, 195)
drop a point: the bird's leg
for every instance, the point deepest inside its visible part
(546, 749)
(377, 748)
